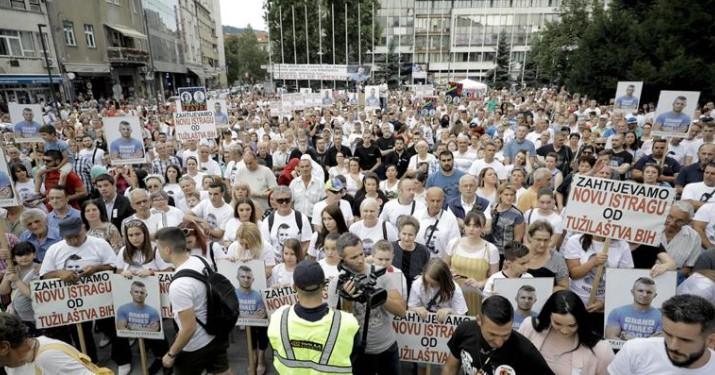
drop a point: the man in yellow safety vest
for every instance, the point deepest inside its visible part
(310, 338)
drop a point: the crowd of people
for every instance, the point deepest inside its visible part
(447, 200)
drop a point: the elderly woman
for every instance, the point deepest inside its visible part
(423, 156)
(170, 215)
(38, 232)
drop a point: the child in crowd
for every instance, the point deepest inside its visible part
(17, 281)
(516, 263)
(283, 272)
(436, 292)
(331, 260)
(382, 254)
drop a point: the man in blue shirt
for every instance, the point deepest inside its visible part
(137, 316)
(27, 128)
(519, 143)
(628, 101)
(60, 207)
(674, 121)
(639, 319)
(447, 178)
(525, 300)
(220, 117)
(126, 147)
(249, 300)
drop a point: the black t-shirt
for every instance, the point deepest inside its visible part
(645, 256)
(385, 143)
(563, 163)
(517, 354)
(368, 156)
(412, 263)
(331, 160)
(401, 161)
(619, 158)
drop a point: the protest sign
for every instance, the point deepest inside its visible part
(249, 279)
(425, 341)
(8, 193)
(633, 301)
(326, 72)
(326, 97)
(220, 111)
(623, 210)
(527, 295)
(192, 99)
(195, 125)
(274, 298)
(674, 113)
(137, 306)
(372, 97)
(423, 90)
(26, 120)
(164, 282)
(58, 303)
(124, 135)
(628, 95)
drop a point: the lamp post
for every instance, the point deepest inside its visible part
(47, 61)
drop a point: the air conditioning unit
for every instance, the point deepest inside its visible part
(14, 63)
(48, 63)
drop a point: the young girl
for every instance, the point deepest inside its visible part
(137, 257)
(545, 211)
(283, 272)
(471, 258)
(333, 222)
(370, 184)
(18, 282)
(244, 211)
(507, 223)
(329, 264)
(488, 184)
(410, 256)
(436, 292)
(389, 186)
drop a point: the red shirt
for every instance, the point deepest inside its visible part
(72, 184)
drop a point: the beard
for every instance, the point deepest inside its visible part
(691, 358)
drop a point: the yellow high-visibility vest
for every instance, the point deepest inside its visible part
(311, 348)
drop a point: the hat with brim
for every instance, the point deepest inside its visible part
(70, 226)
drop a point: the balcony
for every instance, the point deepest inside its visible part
(126, 55)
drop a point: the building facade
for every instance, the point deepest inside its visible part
(23, 68)
(453, 40)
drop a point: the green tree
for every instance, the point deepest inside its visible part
(319, 15)
(244, 57)
(500, 74)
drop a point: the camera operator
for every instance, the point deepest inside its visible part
(379, 353)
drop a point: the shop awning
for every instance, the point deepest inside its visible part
(198, 72)
(28, 79)
(126, 31)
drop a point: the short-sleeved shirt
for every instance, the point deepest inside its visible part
(188, 293)
(126, 148)
(516, 356)
(249, 303)
(648, 357)
(634, 322)
(138, 318)
(61, 256)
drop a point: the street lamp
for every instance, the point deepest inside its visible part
(47, 61)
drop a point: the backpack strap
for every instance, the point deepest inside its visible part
(298, 222)
(203, 277)
(384, 230)
(414, 204)
(211, 254)
(271, 220)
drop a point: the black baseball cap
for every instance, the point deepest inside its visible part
(308, 276)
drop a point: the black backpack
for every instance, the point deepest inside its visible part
(298, 221)
(222, 303)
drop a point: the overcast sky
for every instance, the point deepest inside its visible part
(240, 13)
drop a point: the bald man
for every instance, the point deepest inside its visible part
(437, 225)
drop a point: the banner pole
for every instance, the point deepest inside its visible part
(599, 275)
(142, 354)
(249, 345)
(80, 336)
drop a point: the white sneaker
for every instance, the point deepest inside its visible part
(124, 369)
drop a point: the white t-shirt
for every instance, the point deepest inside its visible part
(419, 297)
(259, 181)
(95, 155)
(138, 263)
(171, 218)
(706, 213)
(480, 164)
(235, 251)
(532, 215)
(280, 276)
(370, 236)
(619, 256)
(320, 206)
(699, 285)
(489, 285)
(288, 228)
(393, 210)
(463, 161)
(329, 271)
(93, 252)
(210, 167)
(216, 217)
(648, 356)
(697, 191)
(51, 362)
(188, 293)
(447, 229)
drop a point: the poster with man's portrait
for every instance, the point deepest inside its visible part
(326, 97)
(633, 300)
(220, 110)
(628, 95)
(527, 295)
(249, 279)
(674, 113)
(306, 90)
(124, 136)
(137, 307)
(193, 99)
(372, 97)
(8, 193)
(26, 120)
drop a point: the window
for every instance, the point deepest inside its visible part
(69, 33)
(89, 36)
(28, 44)
(115, 2)
(17, 4)
(17, 43)
(35, 5)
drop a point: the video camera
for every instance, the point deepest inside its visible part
(365, 286)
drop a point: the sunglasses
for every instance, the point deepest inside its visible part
(187, 231)
(133, 223)
(283, 200)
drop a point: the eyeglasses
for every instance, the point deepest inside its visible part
(187, 231)
(283, 201)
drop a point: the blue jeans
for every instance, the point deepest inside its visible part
(385, 363)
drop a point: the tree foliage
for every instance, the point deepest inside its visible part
(500, 74)
(319, 15)
(244, 57)
(667, 44)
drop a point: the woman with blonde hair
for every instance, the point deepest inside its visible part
(250, 246)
